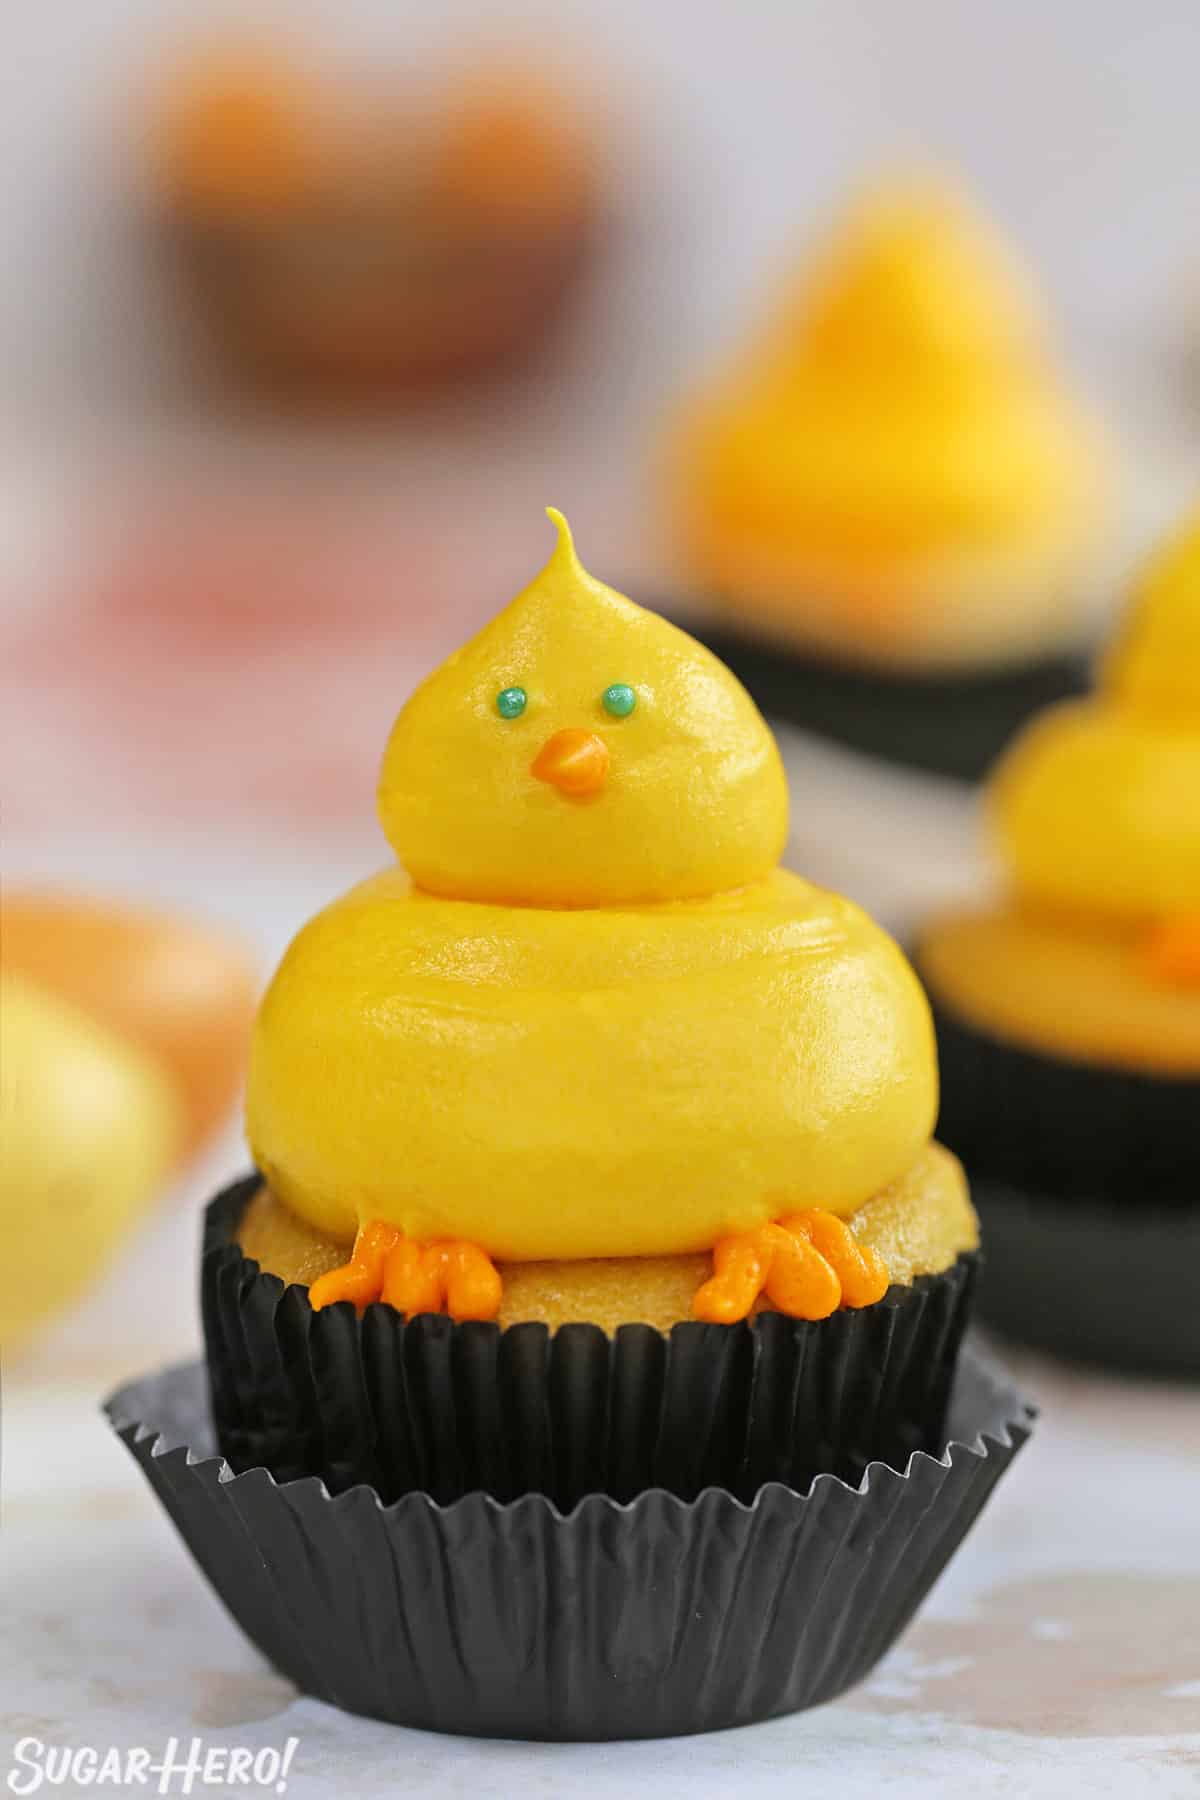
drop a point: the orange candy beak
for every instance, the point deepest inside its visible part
(573, 761)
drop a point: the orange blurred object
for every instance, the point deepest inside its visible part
(1172, 952)
(184, 993)
(339, 245)
(242, 132)
(510, 152)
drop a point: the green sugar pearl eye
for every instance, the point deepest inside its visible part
(511, 702)
(618, 700)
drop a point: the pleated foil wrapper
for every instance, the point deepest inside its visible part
(447, 1409)
(652, 1618)
(946, 723)
(1087, 1183)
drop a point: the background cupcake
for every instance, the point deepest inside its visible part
(891, 495)
(1069, 1016)
(341, 244)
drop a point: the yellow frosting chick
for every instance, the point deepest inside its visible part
(683, 791)
(893, 474)
(1098, 804)
(1097, 812)
(590, 1018)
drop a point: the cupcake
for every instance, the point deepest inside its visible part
(890, 498)
(599, 1261)
(1069, 1014)
(337, 248)
(594, 1150)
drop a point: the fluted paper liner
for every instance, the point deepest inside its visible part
(651, 1618)
(450, 1408)
(1112, 1285)
(1087, 1181)
(1051, 1124)
(946, 722)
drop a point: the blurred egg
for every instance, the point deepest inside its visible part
(180, 992)
(89, 1128)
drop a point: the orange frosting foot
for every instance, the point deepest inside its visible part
(361, 1279)
(1172, 952)
(451, 1276)
(808, 1265)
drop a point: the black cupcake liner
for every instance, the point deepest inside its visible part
(1118, 1287)
(1074, 1130)
(1087, 1182)
(651, 1619)
(947, 724)
(448, 1409)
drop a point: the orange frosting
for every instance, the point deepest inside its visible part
(808, 1265)
(451, 1276)
(454, 1275)
(361, 1279)
(1172, 952)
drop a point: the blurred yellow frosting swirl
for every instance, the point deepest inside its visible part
(1098, 803)
(1096, 810)
(893, 472)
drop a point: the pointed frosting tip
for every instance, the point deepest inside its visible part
(565, 546)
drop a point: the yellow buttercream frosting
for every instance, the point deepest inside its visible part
(635, 1081)
(694, 798)
(893, 471)
(592, 1018)
(1098, 810)
(1097, 805)
(1097, 814)
(1153, 668)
